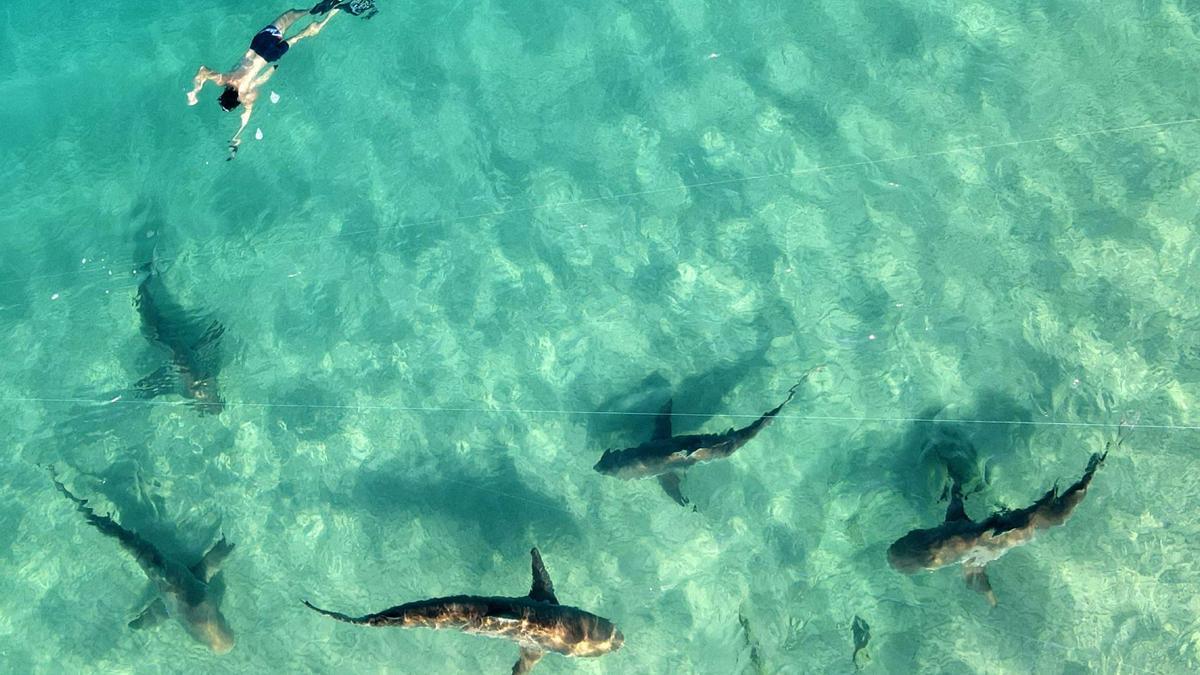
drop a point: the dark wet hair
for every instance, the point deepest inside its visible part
(229, 98)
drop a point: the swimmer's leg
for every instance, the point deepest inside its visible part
(312, 28)
(285, 20)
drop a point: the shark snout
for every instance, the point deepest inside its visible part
(219, 638)
(211, 629)
(605, 463)
(618, 639)
(599, 637)
(222, 645)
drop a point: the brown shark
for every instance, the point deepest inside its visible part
(536, 622)
(666, 457)
(960, 540)
(192, 595)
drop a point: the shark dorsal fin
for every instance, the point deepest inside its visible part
(956, 511)
(543, 588)
(662, 423)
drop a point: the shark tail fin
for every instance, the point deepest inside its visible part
(80, 504)
(770, 414)
(147, 555)
(336, 615)
(802, 380)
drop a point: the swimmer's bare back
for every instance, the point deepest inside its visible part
(243, 83)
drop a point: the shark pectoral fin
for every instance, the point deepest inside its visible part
(543, 587)
(152, 615)
(529, 659)
(670, 484)
(977, 580)
(160, 382)
(210, 564)
(662, 423)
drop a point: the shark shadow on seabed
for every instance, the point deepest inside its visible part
(944, 446)
(703, 392)
(491, 500)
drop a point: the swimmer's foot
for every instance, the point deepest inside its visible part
(323, 7)
(361, 8)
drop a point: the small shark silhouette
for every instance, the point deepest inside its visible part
(192, 595)
(191, 344)
(536, 622)
(666, 457)
(190, 339)
(960, 540)
(860, 630)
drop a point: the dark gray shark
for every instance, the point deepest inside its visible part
(192, 595)
(190, 342)
(536, 622)
(960, 540)
(666, 457)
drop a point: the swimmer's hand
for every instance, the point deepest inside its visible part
(233, 148)
(192, 100)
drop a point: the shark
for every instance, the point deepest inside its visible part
(192, 368)
(190, 594)
(536, 622)
(666, 457)
(189, 339)
(958, 540)
(860, 630)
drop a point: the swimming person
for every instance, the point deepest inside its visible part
(268, 46)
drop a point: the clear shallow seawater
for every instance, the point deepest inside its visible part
(471, 226)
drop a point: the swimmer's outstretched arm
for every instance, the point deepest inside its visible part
(312, 28)
(204, 75)
(234, 142)
(248, 109)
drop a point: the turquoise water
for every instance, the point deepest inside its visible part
(473, 230)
